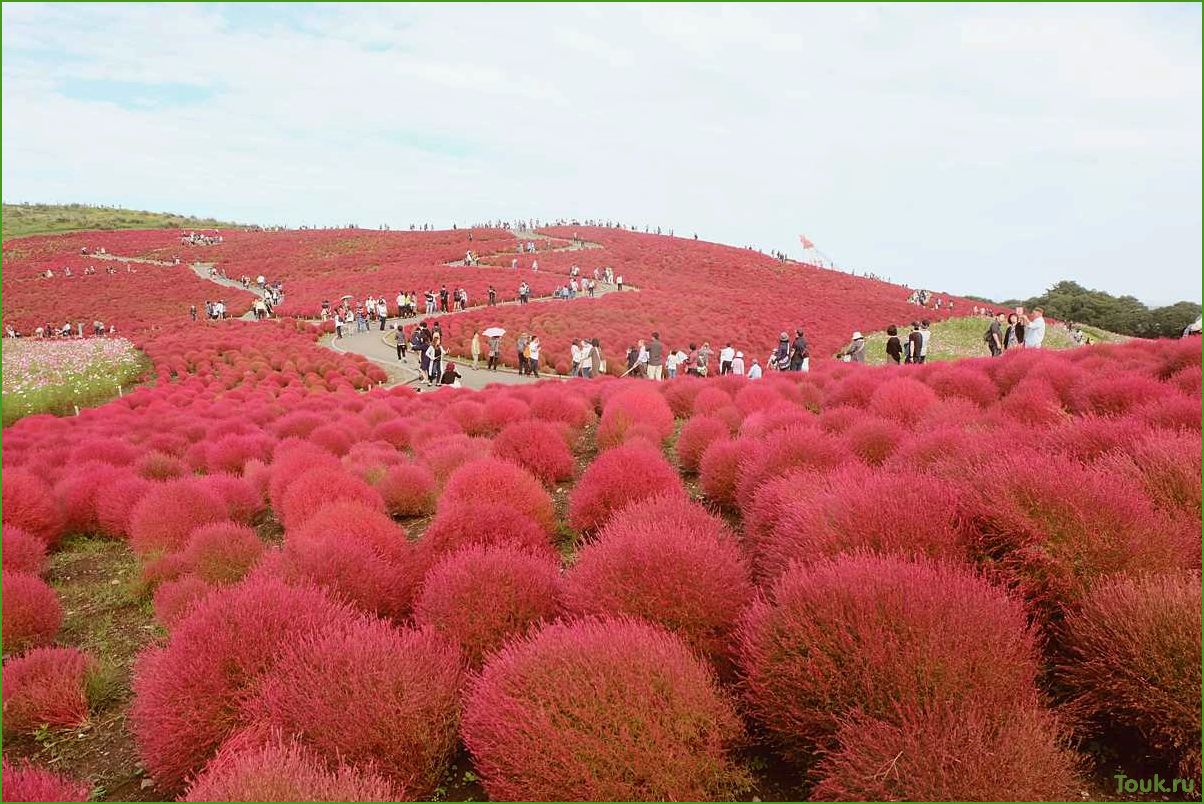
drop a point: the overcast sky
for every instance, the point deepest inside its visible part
(981, 149)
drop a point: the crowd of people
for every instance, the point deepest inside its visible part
(1016, 330)
(200, 239)
(66, 330)
(922, 298)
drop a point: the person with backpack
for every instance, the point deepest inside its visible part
(915, 344)
(780, 359)
(800, 353)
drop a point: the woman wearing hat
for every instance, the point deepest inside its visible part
(855, 351)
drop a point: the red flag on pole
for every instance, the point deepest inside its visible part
(806, 243)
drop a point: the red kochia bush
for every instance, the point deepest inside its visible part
(169, 512)
(350, 568)
(114, 507)
(670, 562)
(861, 508)
(408, 489)
(29, 503)
(459, 524)
(796, 447)
(1134, 662)
(222, 552)
(538, 447)
(718, 468)
(696, 435)
(493, 480)
(45, 686)
(395, 700)
(318, 488)
(902, 399)
(874, 440)
(949, 755)
(631, 408)
(175, 597)
(32, 613)
(188, 695)
(623, 476)
(22, 552)
(276, 770)
(27, 782)
(480, 596)
(601, 710)
(861, 634)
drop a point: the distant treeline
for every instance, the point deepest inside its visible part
(1125, 315)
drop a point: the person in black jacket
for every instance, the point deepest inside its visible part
(450, 375)
(915, 343)
(800, 354)
(894, 347)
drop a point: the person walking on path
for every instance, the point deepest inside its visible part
(521, 346)
(382, 312)
(495, 348)
(338, 328)
(595, 357)
(492, 297)
(434, 358)
(399, 335)
(925, 336)
(443, 308)
(476, 350)
(656, 357)
(533, 355)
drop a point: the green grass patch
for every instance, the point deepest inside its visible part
(19, 220)
(958, 338)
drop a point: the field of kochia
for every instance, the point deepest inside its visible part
(974, 580)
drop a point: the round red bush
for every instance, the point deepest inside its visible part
(863, 634)
(29, 503)
(222, 553)
(668, 561)
(633, 407)
(174, 598)
(950, 755)
(619, 477)
(696, 435)
(538, 447)
(46, 686)
(351, 569)
(243, 500)
(492, 480)
(461, 524)
(408, 489)
(27, 782)
(601, 710)
(114, 507)
(396, 703)
(1133, 663)
(22, 552)
(189, 694)
(480, 596)
(318, 488)
(874, 440)
(902, 399)
(861, 508)
(168, 513)
(718, 468)
(276, 770)
(32, 614)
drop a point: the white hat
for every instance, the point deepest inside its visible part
(739, 354)
(856, 335)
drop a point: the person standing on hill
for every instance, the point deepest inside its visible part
(443, 308)
(726, 355)
(738, 364)
(915, 343)
(704, 358)
(656, 357)
(995, 336)
(595, 357)
(894, 349)
(476, 350)
(434, 360)
(1034, 331)
(492, 297)
(754, 371)
(925, 336)
(800, 353)
(382, 312)
(855, 351)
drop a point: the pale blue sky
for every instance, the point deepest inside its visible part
(980, 149)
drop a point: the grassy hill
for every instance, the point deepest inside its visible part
(956, 338)
(27, 219)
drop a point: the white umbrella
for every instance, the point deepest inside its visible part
(345, 298)
(494, 332)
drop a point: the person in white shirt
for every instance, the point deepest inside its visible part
(754, 371)
(587, 358)
(575, 352)
(533, 347)
(382, 312)
(401, 304)
(738, 363)
(1034, 333)
(726, 355)
(925, 336)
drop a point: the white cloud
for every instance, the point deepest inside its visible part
(989, 149)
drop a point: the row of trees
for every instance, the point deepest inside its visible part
(1126, 315)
